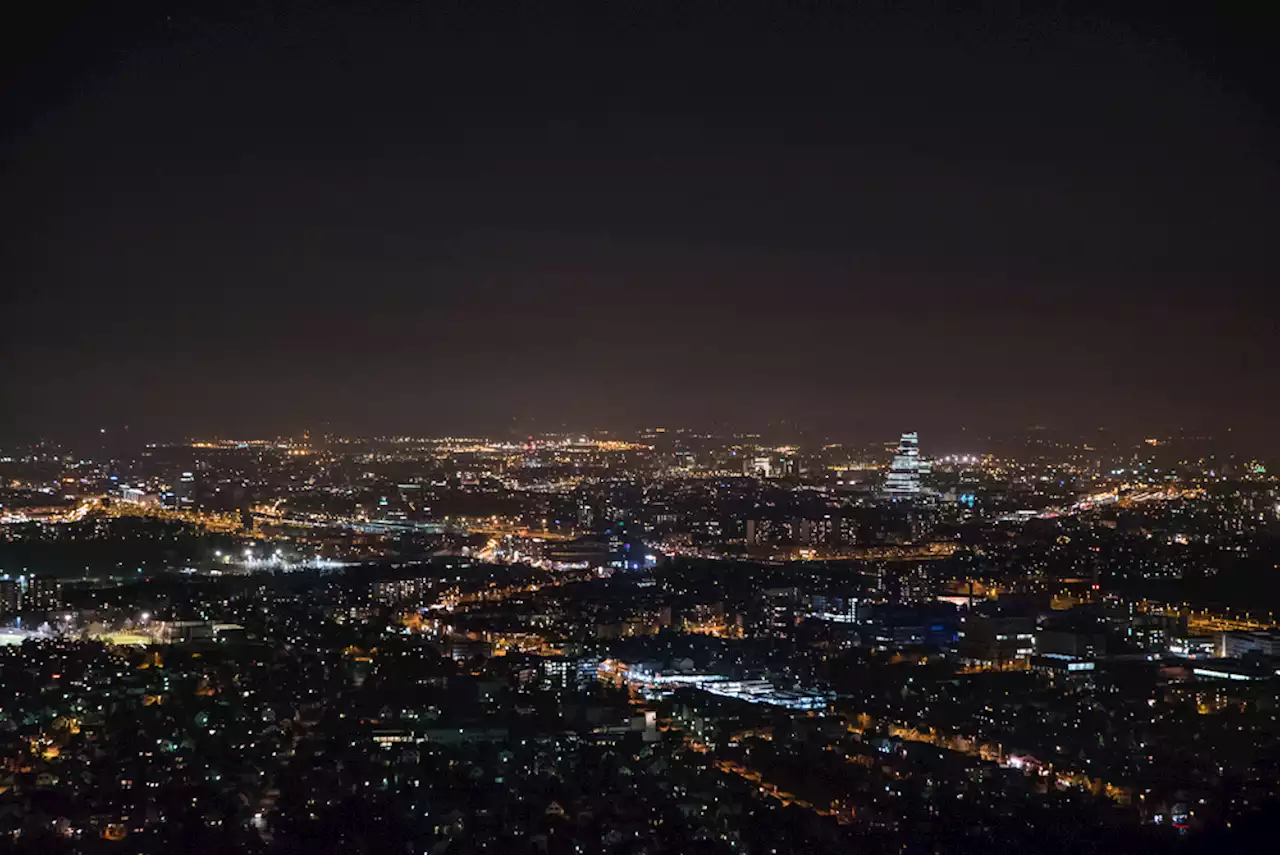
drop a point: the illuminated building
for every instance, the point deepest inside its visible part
(891, 627)
(34, 594)
(1077, 641)
(777, 609)
(1060, 664)
(1232, 670)
(402, 590)
(29, 594)
(1236, 644)
(563, 673)
(911, 583)
(10, 596)
(836, 609)
(185, 490)
(764, 692)
(462, 649)
(1194, 646)
(586, 514)
(655, 683)
(626, 550)
(42, 595)
(815, 532)
(786, 467)
(996, 640)
(903, 481)
(848, 529)
(138, 496)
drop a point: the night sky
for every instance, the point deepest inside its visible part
(431, 217)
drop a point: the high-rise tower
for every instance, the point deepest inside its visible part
(903, 480)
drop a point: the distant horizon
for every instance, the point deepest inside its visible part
(932, 440)
(254, 218)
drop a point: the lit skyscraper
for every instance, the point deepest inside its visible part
(904, 473)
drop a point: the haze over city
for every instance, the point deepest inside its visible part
(268, 218)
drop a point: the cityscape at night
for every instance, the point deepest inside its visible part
(667, 641)
(639, 428)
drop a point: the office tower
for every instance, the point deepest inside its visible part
(185, 491)
(903, 480)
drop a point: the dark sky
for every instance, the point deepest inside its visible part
(430, 217)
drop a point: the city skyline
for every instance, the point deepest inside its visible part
(126, 441)
(667, 641)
